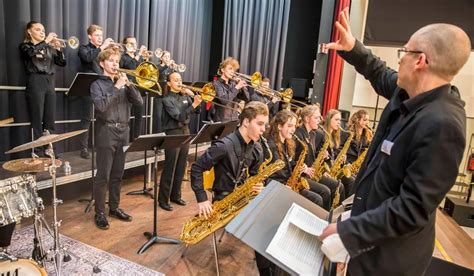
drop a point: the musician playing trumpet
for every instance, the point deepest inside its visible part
(112, 95)
(178, 105)
(40, 55)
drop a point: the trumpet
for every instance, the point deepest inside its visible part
(72, 42)
(208, 94)
(146, 75)
(157, 53)
(177, 67)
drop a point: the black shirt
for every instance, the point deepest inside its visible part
(177, 109)
(40, 58)
(231, 158)
(112, 105)
(128, 62)
(88, 55)
(228, 96)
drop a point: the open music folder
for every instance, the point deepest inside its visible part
(276, 230)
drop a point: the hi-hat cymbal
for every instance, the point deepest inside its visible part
(6, 121)
(30, 165)
(45, 140)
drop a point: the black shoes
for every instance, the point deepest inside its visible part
(85, 154)
(101, 221)
(165, 206)
(120, 214)
(179, 202)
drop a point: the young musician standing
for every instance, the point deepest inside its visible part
(232, 157)
(90, 64)
(130, 61)
(40, 54)
(229, 90)
(112, 104)
(178, 105)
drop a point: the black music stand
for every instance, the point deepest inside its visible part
(213, 131)
(80, 86)
(156, 142)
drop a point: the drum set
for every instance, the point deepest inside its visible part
(19, 199)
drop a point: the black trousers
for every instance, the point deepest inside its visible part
(6, 233)
(85, 116)
(348, 182)
(157, 111)
(137, 111)
(110, 168)
(170, 190)
(41, 102)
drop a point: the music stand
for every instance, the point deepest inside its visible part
(156, 142)
(80, 86)
(213, 131)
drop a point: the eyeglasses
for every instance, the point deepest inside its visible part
(403, 51)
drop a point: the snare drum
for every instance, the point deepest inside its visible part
(18, 199)
(21, 267)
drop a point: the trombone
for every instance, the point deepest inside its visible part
(146, 76)
(208, 94)
(72, 42)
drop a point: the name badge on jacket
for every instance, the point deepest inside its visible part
(386, 147)
(185, 102)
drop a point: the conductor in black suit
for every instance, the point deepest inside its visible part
(415, 155)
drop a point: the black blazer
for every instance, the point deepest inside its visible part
(392, 226)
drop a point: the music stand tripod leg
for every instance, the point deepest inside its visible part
(91, 201)
(153, 237)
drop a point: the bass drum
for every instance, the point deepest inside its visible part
(21, 267)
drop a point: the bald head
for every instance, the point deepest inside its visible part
(446, 46)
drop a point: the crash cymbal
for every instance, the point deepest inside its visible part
(45, 140)
(6, 121)
(30, 165)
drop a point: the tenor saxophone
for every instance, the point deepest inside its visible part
(295, 182)
(319, 166)
(339, 169)
(355, 166)
(198, 228)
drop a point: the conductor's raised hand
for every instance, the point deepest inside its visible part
(346, 41)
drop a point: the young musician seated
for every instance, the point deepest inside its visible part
(233, 157)
(230, 91)
(112, 100)
(283, 146)
(332, 124)
(310, 117)
(359, 125)
(178, 105)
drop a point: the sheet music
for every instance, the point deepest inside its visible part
(296, 243)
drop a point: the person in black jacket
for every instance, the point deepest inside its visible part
(130, 60)
(273, 103)
(282, 146)
(414, 158)
(233, 157)
(112, 100)
(178, 105)
(88, 54)
(232, 92)
(310, 117)
(359, 125)
(40, 55)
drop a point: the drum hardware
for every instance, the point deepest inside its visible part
(59, 254)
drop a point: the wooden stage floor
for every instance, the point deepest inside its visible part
(125, 238)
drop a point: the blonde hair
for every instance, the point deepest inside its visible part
(92, 28)
(108, 52)
(252, 110)
(353, 126)
(229, 60)
(335, 139)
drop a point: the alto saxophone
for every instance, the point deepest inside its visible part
(319, 166)
(198, 228)
(355, 166)
(295, 182)
(338, 169)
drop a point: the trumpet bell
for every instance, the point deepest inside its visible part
(73, 42)
(158, 52)
(287, 95)
(256, 78)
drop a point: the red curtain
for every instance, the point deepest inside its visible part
(332, 89)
